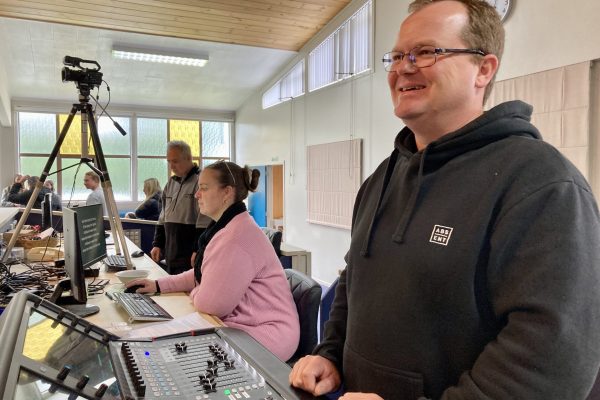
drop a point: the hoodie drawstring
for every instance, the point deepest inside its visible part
(398, 235)
(386, 180)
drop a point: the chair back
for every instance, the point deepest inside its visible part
(275, 238)
(326, 302)
(307, 296)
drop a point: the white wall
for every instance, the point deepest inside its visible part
(8, 159)
(540, 35)
(5, 116)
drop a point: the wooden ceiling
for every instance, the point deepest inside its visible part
(277, 24)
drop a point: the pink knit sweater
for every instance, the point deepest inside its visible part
(243, 283)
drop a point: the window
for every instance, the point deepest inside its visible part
(288, 87)
(344, 53)
(38, 133)
(152, 138)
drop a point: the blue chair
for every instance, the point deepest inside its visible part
(326, 302)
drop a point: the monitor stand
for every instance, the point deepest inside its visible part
(69, 303)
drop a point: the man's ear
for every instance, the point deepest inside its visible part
(487, 69)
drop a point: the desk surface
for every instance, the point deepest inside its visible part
(290, 250)
(112, 317)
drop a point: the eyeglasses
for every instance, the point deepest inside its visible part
(422, 56)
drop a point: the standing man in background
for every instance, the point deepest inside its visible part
(91, 181)
(180, 223)
(474, 264)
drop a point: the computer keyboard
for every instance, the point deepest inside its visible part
(140, 307)
(115, 261)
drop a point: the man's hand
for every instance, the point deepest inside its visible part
(21, 178)
(155, 254)
(315, 374)
(360, 396)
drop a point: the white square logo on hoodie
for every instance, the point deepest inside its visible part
(441, 235)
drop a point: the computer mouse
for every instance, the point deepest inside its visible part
(137, 253)
(133, 289)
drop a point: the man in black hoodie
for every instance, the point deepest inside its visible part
(474, 262)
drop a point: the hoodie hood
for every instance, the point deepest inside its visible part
(508, 119)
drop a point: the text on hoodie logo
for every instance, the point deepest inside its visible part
(440, 235)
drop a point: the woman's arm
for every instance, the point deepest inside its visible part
(227, 271)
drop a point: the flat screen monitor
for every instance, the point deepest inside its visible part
(84, 245)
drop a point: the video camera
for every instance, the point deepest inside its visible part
(84, 78)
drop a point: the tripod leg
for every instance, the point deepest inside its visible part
(113, 214)
(40, 183)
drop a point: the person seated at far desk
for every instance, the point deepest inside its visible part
(151, 206)
(49, 184)
(21, 196)
(237, 275)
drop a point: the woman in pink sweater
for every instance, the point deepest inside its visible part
(237, 275)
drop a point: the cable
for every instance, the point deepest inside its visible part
(73, 187)
(35, 280)
(98, 98)
(115, 123)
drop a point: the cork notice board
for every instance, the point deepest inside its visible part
(334, 175)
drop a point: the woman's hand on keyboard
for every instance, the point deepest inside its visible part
(147, 285)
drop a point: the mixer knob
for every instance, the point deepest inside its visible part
(210, 380)
(205, 376)
(82, 382)
(101, 390)
(64, 371)
(141, 390)
(210, 387)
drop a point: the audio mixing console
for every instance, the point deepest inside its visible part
(47, 352)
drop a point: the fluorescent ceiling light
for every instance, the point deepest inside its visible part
(160, 56)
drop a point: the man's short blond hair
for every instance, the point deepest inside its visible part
(94, 176)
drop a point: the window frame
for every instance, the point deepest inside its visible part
(133, 156)
(350, 42)
(279, 89)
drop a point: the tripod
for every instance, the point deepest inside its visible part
(87, 118)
